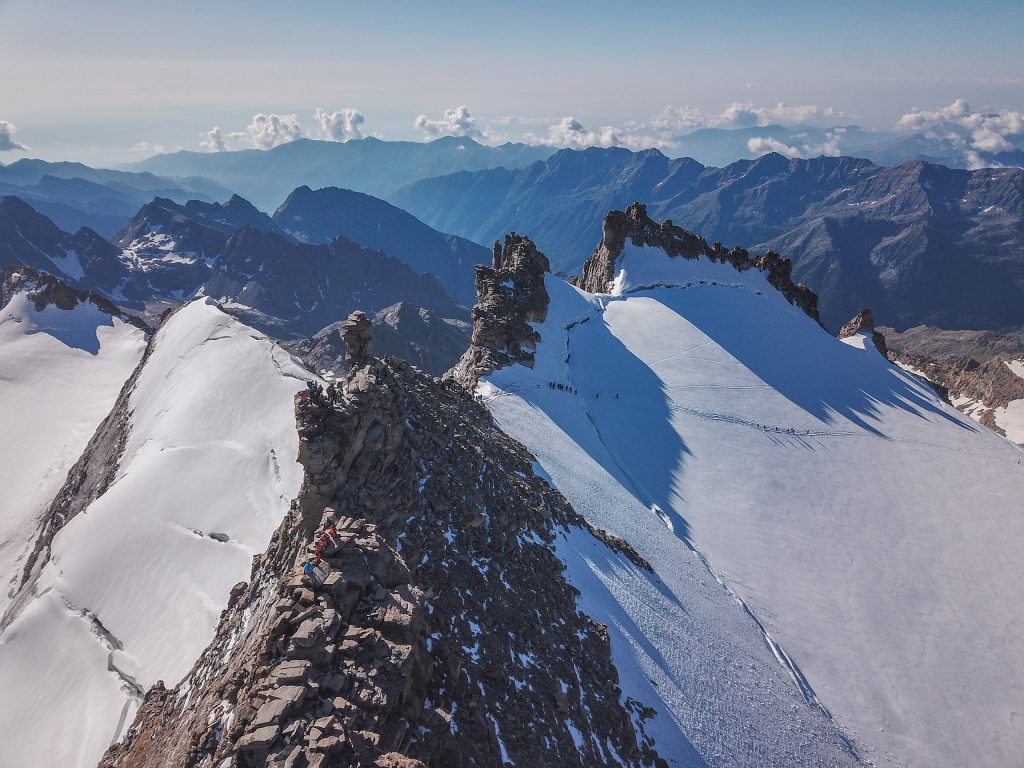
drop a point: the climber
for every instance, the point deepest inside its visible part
(311, 388)
(310, 572)
(331, 392)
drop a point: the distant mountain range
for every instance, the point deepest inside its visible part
(722, 146)
(920, 243)
(320, 216)
(74, 195)
(240, 256)
(266, 177)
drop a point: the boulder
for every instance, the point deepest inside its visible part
(258, 740)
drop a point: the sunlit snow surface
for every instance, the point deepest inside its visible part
(60, 372)
(137, 583)
(874, 532)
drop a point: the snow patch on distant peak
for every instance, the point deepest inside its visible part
(69, 264)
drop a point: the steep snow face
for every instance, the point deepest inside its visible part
(135, 585)
(60, 372)
(874, 532)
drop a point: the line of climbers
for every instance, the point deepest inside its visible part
(318, 394)
(572, 390)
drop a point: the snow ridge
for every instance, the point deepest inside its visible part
(129, 590)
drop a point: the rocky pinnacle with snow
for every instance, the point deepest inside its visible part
(864, 323)
(635, 225)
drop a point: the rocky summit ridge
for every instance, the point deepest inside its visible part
(635, 225)
(438, 627)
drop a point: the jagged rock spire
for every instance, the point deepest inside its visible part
(510, 296)
(358, 337)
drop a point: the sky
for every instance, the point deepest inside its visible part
(111, 81)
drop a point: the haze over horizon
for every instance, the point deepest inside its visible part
(565, 75)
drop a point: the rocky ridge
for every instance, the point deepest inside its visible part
(970, 369)
(43, 289)
(634, 223)
(438, 630)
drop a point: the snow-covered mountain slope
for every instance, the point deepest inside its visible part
(134, 585)
(60, 371)
(874, 532)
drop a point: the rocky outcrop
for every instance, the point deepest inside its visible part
(438, 629)
(970, 369)
(510, 296)
(864, 323)
(635, 225)
(355, 332)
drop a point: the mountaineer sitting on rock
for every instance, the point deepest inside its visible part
(310, 572)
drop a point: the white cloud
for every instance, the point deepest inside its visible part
(263, 132)
(214, 141)
(342, 125)
(460, 122)
(570, 132)
(743, 115)
(7, 142)
(762, 145)
(266, 131)
(454, 122)
(967, 132)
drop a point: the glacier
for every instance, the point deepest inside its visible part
(868, 535)
(134, 586)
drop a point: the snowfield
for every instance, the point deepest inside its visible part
(60, 373)
(135, 585)
(828, 537)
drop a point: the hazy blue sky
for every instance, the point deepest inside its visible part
(89, 80)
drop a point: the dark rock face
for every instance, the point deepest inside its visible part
(320, 216)
(46, 290)
(510, 296)
(294, 289)
(864, 323)
(966, 367)
(438, 628)
(355, 332)
(29, 238)
(947, 345)
(634, 224)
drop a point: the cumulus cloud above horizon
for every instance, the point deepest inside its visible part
(266, 131)
(7, 142)
(975, 135)
(956, 133)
